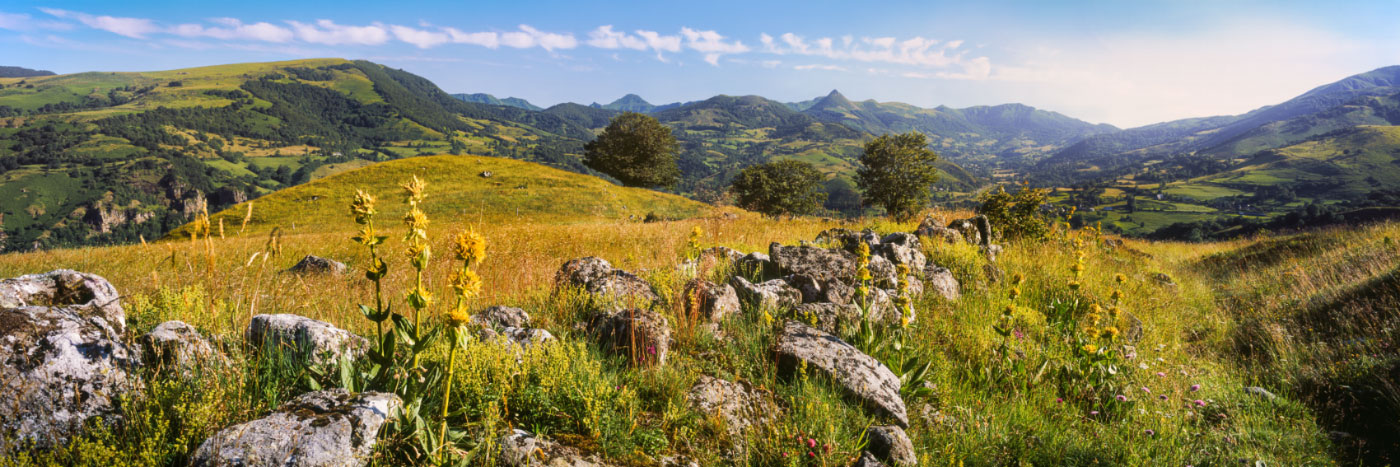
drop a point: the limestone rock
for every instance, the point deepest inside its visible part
(322, 428)
(903, 248)
(890, 444)
(809, 288)
(968, 230)
(931, 229)
(862, 376)
(830, 317)
(520, 448)
(318, 265)
(712, 301)
(868, 460)
(501, 317)
(176, 344)
(940, 280)
(615, 289)
(882, 272)
(62, 356)
(756, 264)
(516, 338)
(774, 294)
(822, 264)
(640, 335)
(315, 341)
(1260, 393)
(738, 404)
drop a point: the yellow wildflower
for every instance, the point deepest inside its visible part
(458, 317)
(1110, 332)
(1117, 295)
(362, 207)
(1090, 348)
(469, 247)
(1017, 278)
(413, 190)
(1015, 292)
(466, 282)
(1120, 278)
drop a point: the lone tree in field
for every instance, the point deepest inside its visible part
(637, 150)
(896, 171)
(781, 187)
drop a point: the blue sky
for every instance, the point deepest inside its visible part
(1126, 63)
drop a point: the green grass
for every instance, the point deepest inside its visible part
(543, 194)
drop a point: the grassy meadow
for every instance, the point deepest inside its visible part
(1047, 391)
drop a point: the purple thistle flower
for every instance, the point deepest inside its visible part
(1146, 390)
(1200, 403)
(1093, 412)
(1150, 432)
(1195, 387)
(1122, 398)
(1019, 335)
(1059, 400)
(1162, 397)
(1161, 375)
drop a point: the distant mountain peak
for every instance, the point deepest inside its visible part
(833, 100)
(629, 103)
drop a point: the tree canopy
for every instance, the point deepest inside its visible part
(637, 150)
(780, 187)
(896, 172)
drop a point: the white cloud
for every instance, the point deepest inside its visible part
(235, 29)
(489, 40)
(605, 38)
(772, 63)
(136, 28)
(712, 44)
(528, 37)
(820, 67)
(329, 33)
(418, 37)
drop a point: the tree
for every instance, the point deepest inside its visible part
(637, 150)
(780, 187)
(896, 171)
(842, 197)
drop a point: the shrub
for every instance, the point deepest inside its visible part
(1017, 215)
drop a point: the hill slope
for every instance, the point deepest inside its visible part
(22, 72)
(102, 157)
(483, 98)
(458, 190)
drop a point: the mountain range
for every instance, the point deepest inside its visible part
(104, 157)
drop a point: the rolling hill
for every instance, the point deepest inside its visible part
(473, 188)
(1363, 99)
(22, 72)
(108, 157)
(482, 98)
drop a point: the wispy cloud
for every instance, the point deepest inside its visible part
(137, 28)
(820, 67)
(421, 38)
(712, 44)
(25, 22)
(916, 51)
(327, 32)
(233, 29)
(604, 37)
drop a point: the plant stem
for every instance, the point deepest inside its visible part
(447, 390)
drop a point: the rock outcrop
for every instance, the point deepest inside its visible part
(713, 302)
(774, 294)
(863, 377)
(322, 428)
(822, 264)
(318, 265)
(940, 280)
(610, 289)
(642, 336)
(315, 341)
(502, 317)
(739, 405)
(903, 248)
(176, 345)
(62, 356)
(891, 445)
(521, 448)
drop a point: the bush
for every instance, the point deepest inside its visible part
(1017, 215)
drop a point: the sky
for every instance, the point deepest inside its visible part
(1126, 63)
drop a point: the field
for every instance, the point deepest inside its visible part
(1225, 318)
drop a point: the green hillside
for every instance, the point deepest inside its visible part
(483, 98)
(109, 157)
(514, 192)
